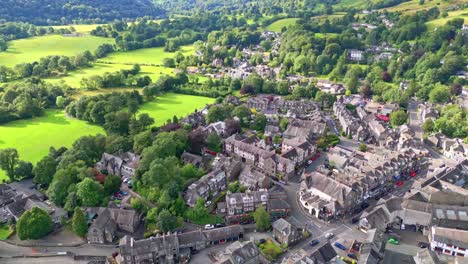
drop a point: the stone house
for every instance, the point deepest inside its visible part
(173, 248)
(206, 187)
(350, 125)
(238, 206)
(195, 160)
(287, 232)
(253, 179)
(120, 164)
(240, 252)
(195, 119)
(106, 221)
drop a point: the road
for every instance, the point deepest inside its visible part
(8, 250)
(414, 121)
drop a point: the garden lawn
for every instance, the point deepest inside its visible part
(5, 232)
(166, 106)
(33, 137)
(278, 25)
(32, 49)
(149, 56)
(270, 249)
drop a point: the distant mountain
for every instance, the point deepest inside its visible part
(48, 12)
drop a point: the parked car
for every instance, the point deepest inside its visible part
(423, 244)
(329, 235)
(220, 225)
(393, 241)
(261, 241)
(402, 227)
(209, 226)
(351, 255)
(123, 193)
(207, 203)
(354, 220)
(364, 205)
(126, 180)
(314, 242)
(340, 246)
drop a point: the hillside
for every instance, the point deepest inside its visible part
(44, 12)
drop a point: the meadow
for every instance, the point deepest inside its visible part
(451, 15)
(32, 49)
(278, 25)
(413, 6)
(73, 78)
(33, 137)
(166, 106)
(149, 56)
(80, 28)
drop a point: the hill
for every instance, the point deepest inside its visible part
(46, 12)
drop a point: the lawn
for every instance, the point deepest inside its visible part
(80, 28)
(33, 137)
(32, 49)
(149, 56)
(166, 106)
(5, 232)
(278, 25)
(74, 77)
(271, 250)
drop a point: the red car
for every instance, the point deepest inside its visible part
(412, 173)
(399, 183)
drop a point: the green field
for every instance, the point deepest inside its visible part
(150, 56)
(32, 49)
(33, 137)
(413, 6)
(451, 15)
(278, 25)
(74, 77)
(80, 28)
(170, 104)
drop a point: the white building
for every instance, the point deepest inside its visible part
(449, 241)
(355, 55)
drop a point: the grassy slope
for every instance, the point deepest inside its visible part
(413, 6)
(278, 25)
(451, 15)
(80, 28)
(150, 56)
(33, 137)
(170, 104)
(31, 49)
(74, 78)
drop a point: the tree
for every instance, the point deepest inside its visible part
(8, 160)
(284, 122)
(363, 147)
(112, 184)
(213, 141)
(79, 225)
(243, 113)
(23, 170)
(199, 212)
(166, 221)
(142, 140)
(259, 122)
(398, 118)
(90, 192)
(439, 94)
(34, 224)
(262, 219)
(428, 125)
(45, 170)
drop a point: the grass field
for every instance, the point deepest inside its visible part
(278, 25)
(32, 49)
(413, 6)
(5, 232)
(150, 56)
(33, 137)
(451, 15)
(170, 104)
(74, 77)
(80, 28)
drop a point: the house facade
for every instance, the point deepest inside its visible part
(120, 164)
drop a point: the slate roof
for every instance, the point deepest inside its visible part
(454, 237)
